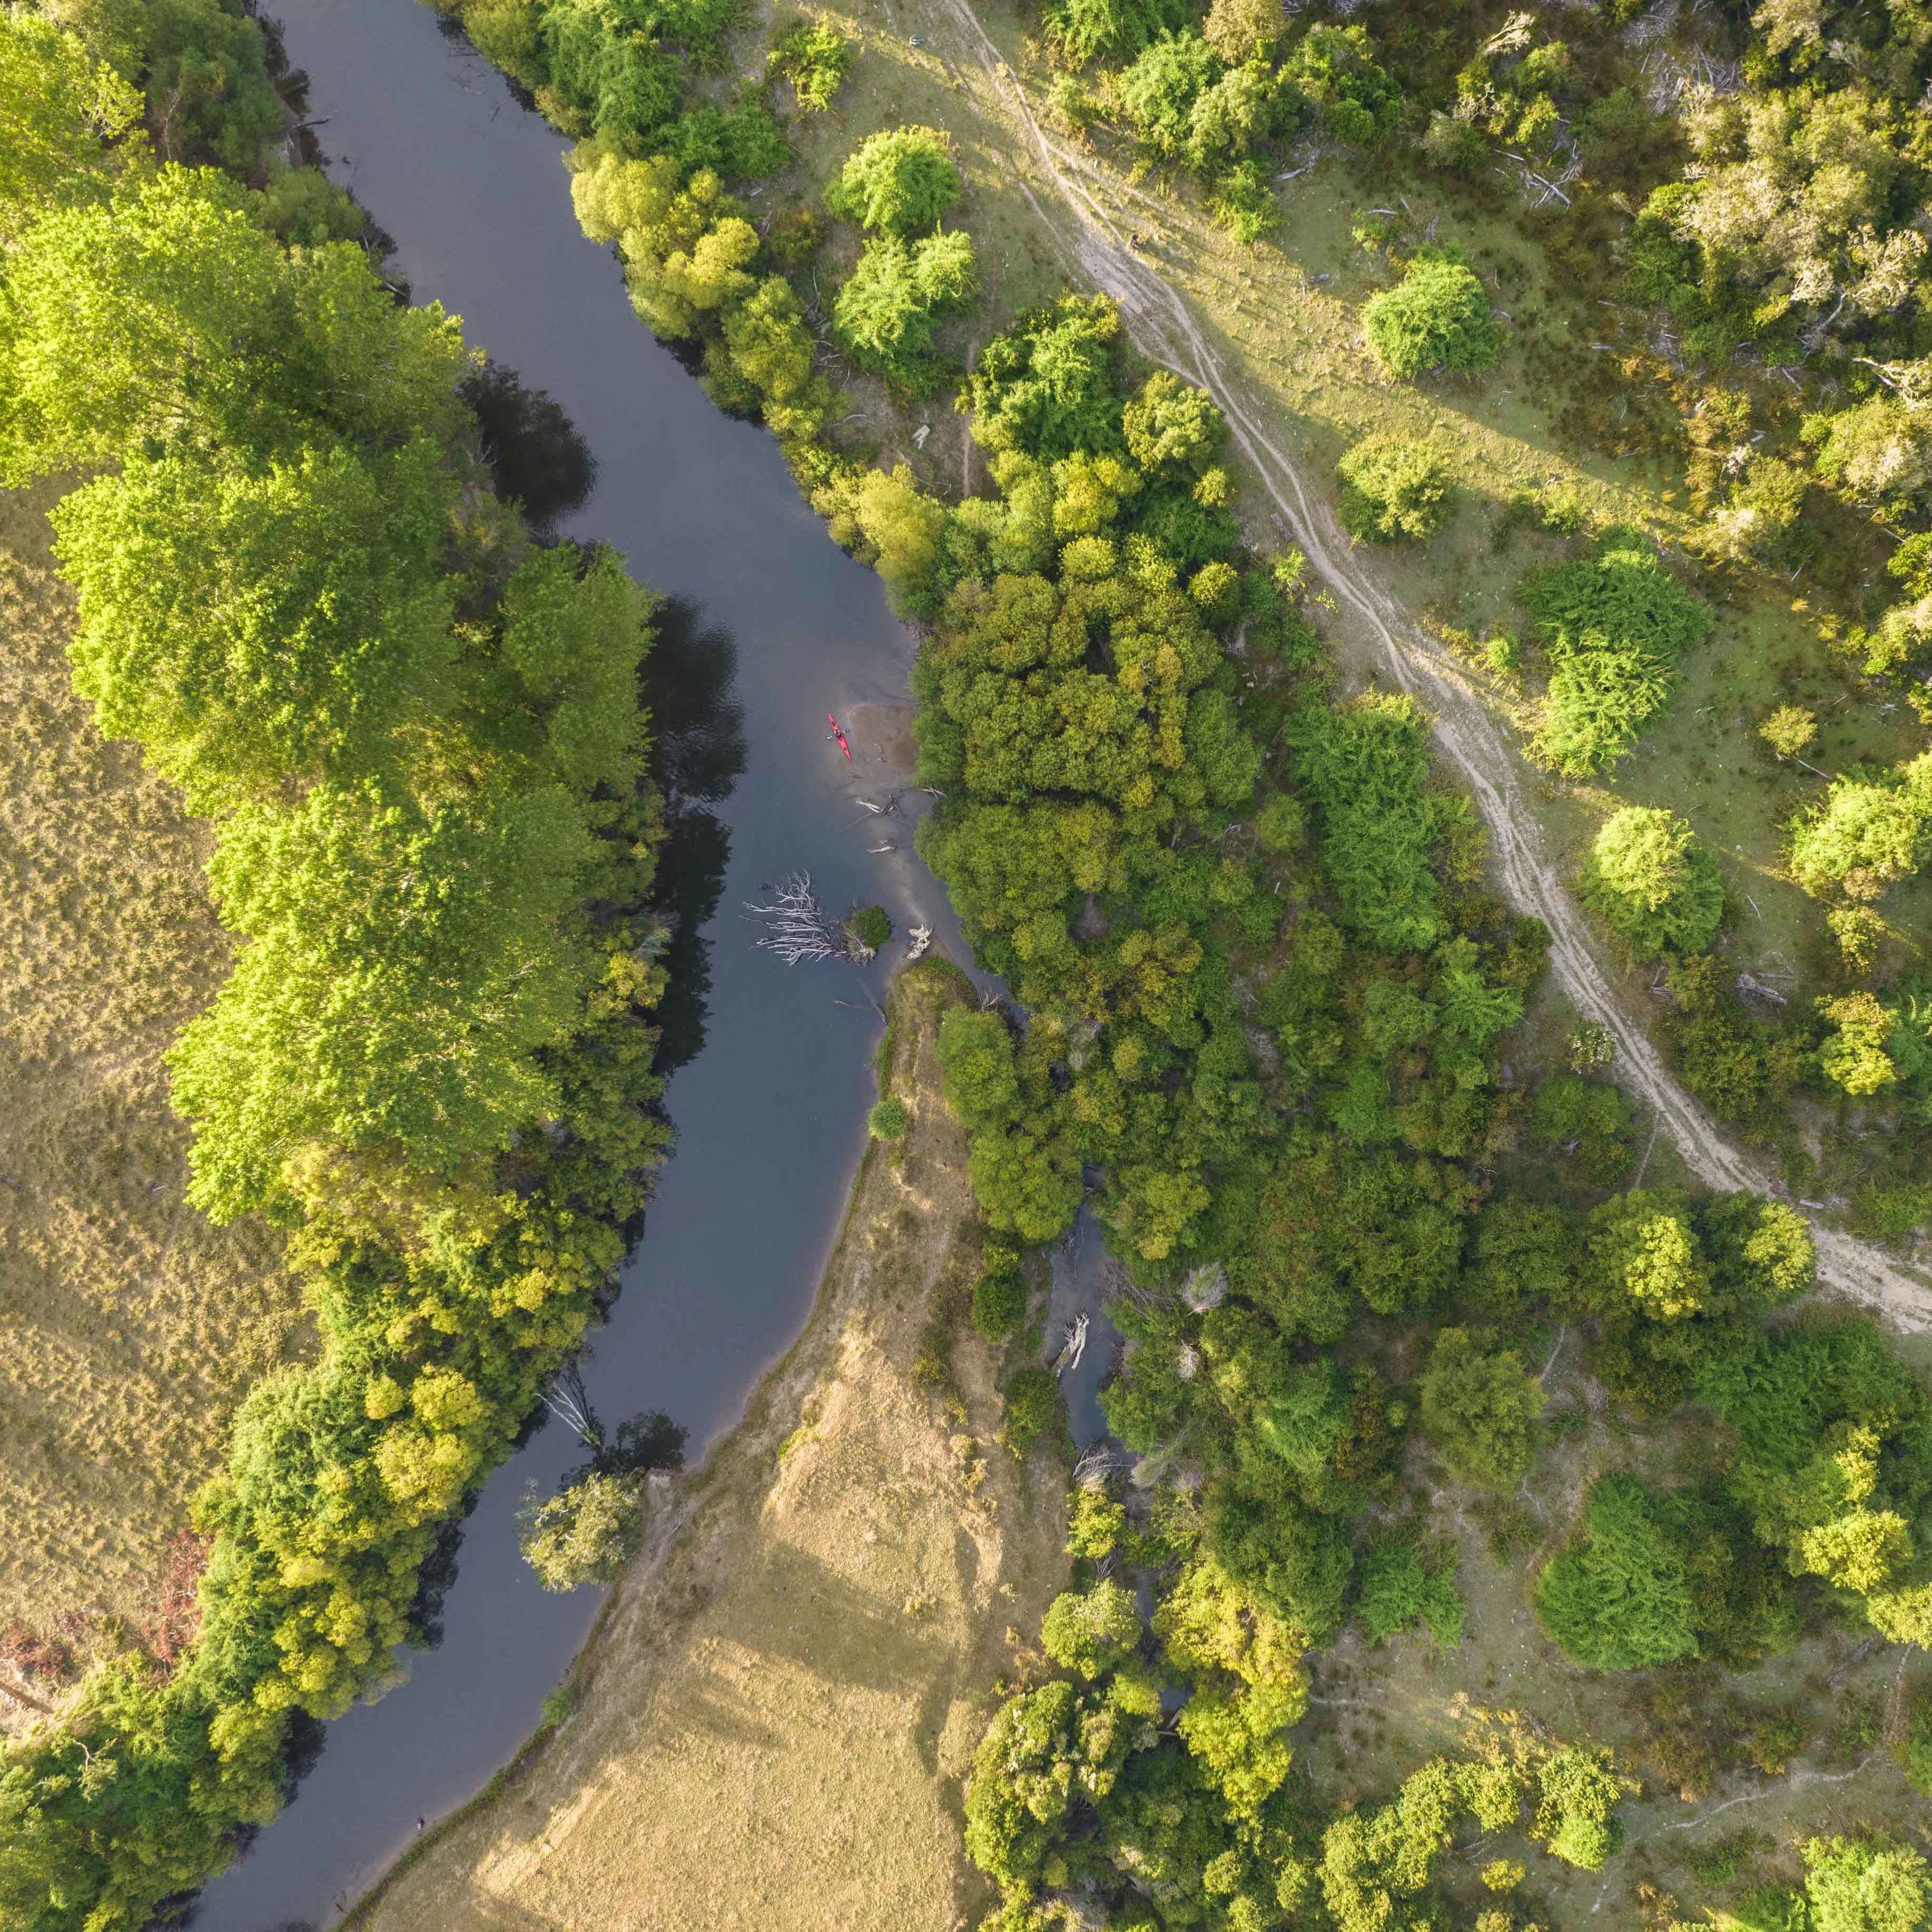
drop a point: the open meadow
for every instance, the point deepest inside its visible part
(131, 1326)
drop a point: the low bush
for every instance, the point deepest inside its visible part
(815, 56)
(1393, 487)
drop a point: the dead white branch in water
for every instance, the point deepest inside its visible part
(1073, 1349)
(921, 936)
(797, 927)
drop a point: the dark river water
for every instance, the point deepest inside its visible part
(770, 1108)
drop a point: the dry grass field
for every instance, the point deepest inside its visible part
(772, 1724)
(129, 1326)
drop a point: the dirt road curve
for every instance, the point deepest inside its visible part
(1164, 330)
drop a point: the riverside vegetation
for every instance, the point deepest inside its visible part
(821, 1615)
(1275, 1031)
(1272, 1015)
(417, 738)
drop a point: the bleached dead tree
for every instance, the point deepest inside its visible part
(1072, 1348)
(796, 926)
(567, 1399)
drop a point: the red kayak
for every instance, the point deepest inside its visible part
(839, 734)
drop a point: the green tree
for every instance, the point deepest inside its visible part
(62, 111)
(1160, 90)
(1615, 623)
(885, 309)
(587, 1533)
(1047, 387)
(1870, 831)
(977, 1073)
(1367, 768)
(1245, 30)
(1578, 1791)
(1336, 68)
(1480, 1409)
(1393, 487)
(1111, 30)
(166, 307)
(815, 56)
(1651, 878)
(1621, 1598)
(889, 1120)
(1854, 1055)
(210, 97)
(1868, 1884)
(402, 973)
(1436, 317)
(252, 624)
(1172, 428)
(1021, 1784)
(898, 182)
(1091, 1632)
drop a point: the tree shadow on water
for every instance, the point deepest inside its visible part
(537, 456)
(697, 752)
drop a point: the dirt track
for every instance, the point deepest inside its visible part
(1081, 223)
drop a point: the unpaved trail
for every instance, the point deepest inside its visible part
(1165, 331)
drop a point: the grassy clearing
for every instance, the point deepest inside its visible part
(132, 1327)
(772, 1724)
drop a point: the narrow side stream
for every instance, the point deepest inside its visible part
(769, 1111)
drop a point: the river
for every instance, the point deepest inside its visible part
(770, 1110)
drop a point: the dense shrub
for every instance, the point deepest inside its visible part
(1614, 625)
(999, 1297)
(1032, 1398)
(1480, 1409)
(1436, 317)
(1647, 875)
(889, 1120)
(1367, 768)
(898, 182)
(1400, 1591)
(1623, 1596)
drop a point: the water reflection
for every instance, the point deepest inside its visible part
(537, 458)
(697, 754)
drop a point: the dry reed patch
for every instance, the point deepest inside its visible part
(129, 1327)
(774, 1721)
